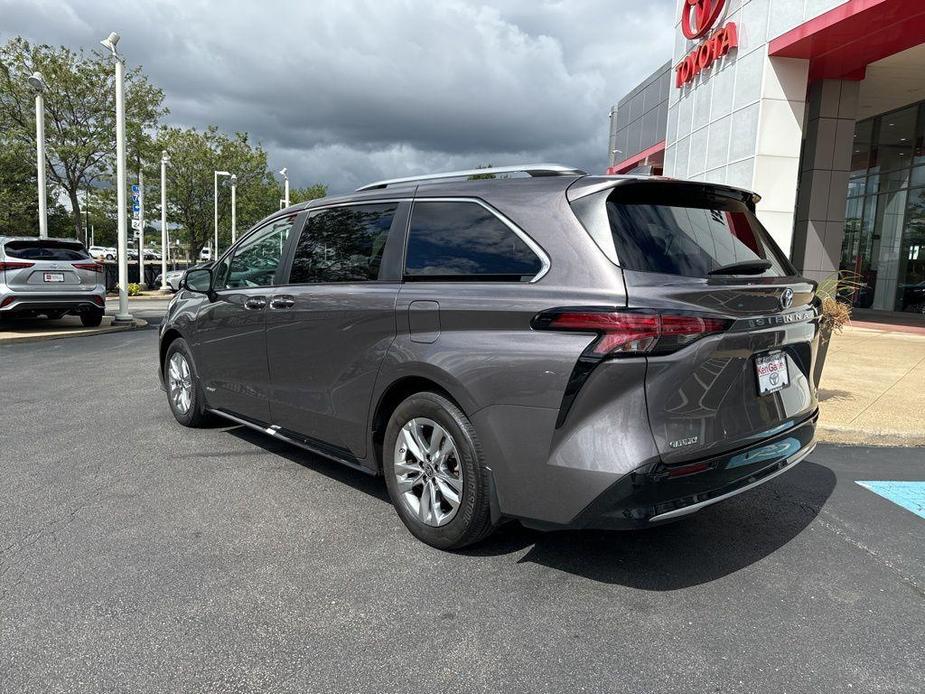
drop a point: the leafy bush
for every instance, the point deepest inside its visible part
(134, 289)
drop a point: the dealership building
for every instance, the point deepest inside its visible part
(818, 106)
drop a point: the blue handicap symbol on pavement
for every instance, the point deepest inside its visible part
(909, 495)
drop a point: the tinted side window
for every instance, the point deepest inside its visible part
(342, 244)
(461, 241)
(255, 260)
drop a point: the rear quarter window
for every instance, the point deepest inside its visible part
(464, 241)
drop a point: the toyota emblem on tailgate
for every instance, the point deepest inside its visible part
(786, 298)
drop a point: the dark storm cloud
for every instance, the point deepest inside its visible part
(344, 92)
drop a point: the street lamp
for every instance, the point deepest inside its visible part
(215, 189)
(284, 172)
(165, 159)
(38, 84)
(234, 220)
(141, 226)
(110, 42)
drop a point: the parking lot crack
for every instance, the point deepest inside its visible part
(841, 534)
(11, 554)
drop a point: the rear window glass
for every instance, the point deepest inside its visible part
(39, 250)
(691, 237)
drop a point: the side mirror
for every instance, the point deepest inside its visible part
(199, 280)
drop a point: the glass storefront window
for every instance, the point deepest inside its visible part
(919, 153)
(856, 186)
(911, 289)
(918, 176)
(884, 243)
(894, 135)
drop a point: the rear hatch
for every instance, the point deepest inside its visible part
(53, 266)
(692, 250)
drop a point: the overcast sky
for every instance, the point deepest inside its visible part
(344, 92)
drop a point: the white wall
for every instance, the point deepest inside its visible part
(741, 121)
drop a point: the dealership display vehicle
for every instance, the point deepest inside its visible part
(102, 252)
(570, 351)
(175, 277)
(50, 277)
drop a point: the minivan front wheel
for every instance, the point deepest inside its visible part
(184, 392)
(435, 473)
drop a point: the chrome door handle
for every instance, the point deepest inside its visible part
(255, 303)
(282, 302)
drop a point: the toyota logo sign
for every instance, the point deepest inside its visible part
(698, 16)
(786, 298)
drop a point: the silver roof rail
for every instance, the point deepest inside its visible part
(531, 169)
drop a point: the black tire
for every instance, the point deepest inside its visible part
(91, 319)
(110, 256)
(197, 415)
(472, 520)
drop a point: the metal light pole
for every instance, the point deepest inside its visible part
(165, 245)
(141, 228)
(215, 190)
(234, 205)
(110, 42)
(38, 84)
(284, 172)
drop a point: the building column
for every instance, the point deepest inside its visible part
(824, 172)
(781, 111)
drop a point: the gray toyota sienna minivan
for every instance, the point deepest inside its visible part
(570, 351)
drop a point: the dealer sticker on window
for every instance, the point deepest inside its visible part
(772, 372)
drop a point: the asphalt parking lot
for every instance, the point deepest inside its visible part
(139, 556)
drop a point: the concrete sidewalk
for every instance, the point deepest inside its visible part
(39, 329)
(873, 387)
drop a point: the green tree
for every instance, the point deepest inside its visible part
(18, 194)
(79, 112)
(312, 192)
(194, 157)
(484, 176)
(18, 200)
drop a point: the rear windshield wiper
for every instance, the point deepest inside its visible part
(746, 267)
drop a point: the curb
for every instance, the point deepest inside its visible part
(834, 433)
(76, 332)
(144, 297)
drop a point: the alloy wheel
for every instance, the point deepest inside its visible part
(428, 471)
(180, 382)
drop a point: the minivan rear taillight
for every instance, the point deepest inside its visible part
(11, 265)
(631, 332)
(96, 267)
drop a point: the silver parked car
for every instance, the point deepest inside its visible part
(174, 277)
(50, 277)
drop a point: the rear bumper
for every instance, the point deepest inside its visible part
(24, 302)
(657, 493)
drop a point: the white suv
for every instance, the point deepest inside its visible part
(102, 252)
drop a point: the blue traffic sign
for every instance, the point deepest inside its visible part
(134, 187)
